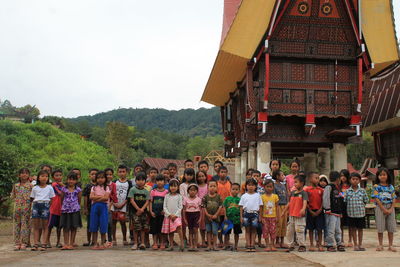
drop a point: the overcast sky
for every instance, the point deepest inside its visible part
(73, 58)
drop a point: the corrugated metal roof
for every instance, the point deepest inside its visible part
(162, 163)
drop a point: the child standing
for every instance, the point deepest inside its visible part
(113, 199)
(157, 196)
(203, 166)
(384, 196)
(261, 190)
(356, 198)
(268, 211)
(41, 195)
(344, 185)
(173, 204)
(333, 205)
(55, 208)
(99, 195)
(191, 215)
(88, 203)
(315, 217)
(201, 178)
(139, 199)
(281, 210)
(188, 178)
(250, 204)
(212, 205)
(22, 209)
(119, 209)
(294, 171)
(274, 165)
(151, 180)
(223, 190)
(297, 214)
(70, 210)
(172, 169)
(232, 213)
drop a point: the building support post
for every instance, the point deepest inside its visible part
(310, 162)
(252, 157)
(324, 160)
(243, 167)
(339, 156)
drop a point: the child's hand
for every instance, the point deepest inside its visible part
(313, 214)
(241, 220)
(226, 218)
(302, 213)
(259, 219)
(214, 217)
(173, 218)
(186, 222)
(153, 214)
(139, 212)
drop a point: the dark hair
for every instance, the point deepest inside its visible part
(23, 170)
(294, 161)
(41, 172)
(140, 176)
(76, 169)
(250, 171)
(101, 174)
(93, 170)
(323, 179)
(354, 174)
(123, 167)
(256, 171)
(46, 165)
(174, 182)
(201, 162)
(188, 160)
(193, 185)
(389, 176)
(138, 165)
(163, 169)
(153, 169)
(269, 181)
(189, 171)
(279, 162)
(109, 170)
(236, 184)
(172, 165)
(346, 174)
(212, 181)
(160, 177)
(310, 174)
(251, 181)
(218, 162)
(222, 168)
(275, 174)
(300, 178)
(72, 176)
(333, 176)
(197, 176)
(56, 171)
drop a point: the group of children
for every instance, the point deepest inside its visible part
(272, 206)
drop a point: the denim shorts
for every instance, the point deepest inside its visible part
(212, 227)
(250, 219)
(41, 210)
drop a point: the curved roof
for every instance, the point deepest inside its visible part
(251, 23)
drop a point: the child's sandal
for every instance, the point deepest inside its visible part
(341, 248)
(23, 247)
(65, 247)
(35, 247)
(17, 247)
(392, 249)
(379, 248)
(302, 249)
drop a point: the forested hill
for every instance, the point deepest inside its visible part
(189, 122)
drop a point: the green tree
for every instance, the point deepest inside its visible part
(357, 153)
(118, 138)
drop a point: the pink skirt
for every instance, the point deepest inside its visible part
(170, 226)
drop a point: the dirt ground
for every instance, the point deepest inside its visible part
(123, 256)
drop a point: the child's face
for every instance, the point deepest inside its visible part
(189, 178)
(222, 174)
(249, 175)
(235, 190)
(173, 188)
(109, 176)
(122, 173)
(92, 175)
(294, 168)
(78, 173)
(165, 173)
(212, 187)
(274, 165)
(43, 178)
(192, 191)
(101, 180)
(160, 183)
(137, 170)
(251, 188)
(323, 183)
(57, 177)
(269, 188)
(189, 165)
(140, 183)
(153, 174)
(354, 181)
(217, 166)
(172, 171)
(71, 182)
(343, 179)
(314, 179)
(47, 169)
(281, 177)
(203, 167)
(256, 176)
(298, 184)
(383, 177)
(201, 178)
(24, 176)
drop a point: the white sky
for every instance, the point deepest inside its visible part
(81, 57)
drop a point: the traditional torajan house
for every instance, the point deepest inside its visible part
(289, 77)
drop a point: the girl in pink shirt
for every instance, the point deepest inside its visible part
(201, 178)
(294, 170)
(191, 215)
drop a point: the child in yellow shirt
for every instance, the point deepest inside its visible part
(268, 215)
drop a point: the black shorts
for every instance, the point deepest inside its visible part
(358, 223)
(315, 223)
(237, 229)
(156, 224)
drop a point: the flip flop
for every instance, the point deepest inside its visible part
(65, 247)
(392, 249)
(379, 248)
(273, 249)
(267, 250)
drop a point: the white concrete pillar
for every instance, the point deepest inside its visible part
(339, 156)
(243, 167)
(310, 162)
(264, 153)
(301, 161)
(238, 170)
(252, 157)
(324, 160)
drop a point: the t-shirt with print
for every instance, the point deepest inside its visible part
(314, 197)
(55, 207)
(122, 194)
(250, 202)
(157, 200)
(71, 200)
(280, 190)
(231, 205)
(212, 204)
(386, 194)
(296, 202)
(140, 196)
(42, 194)
(192, 205)
(269, 205)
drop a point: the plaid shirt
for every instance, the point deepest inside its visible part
(356, 201)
